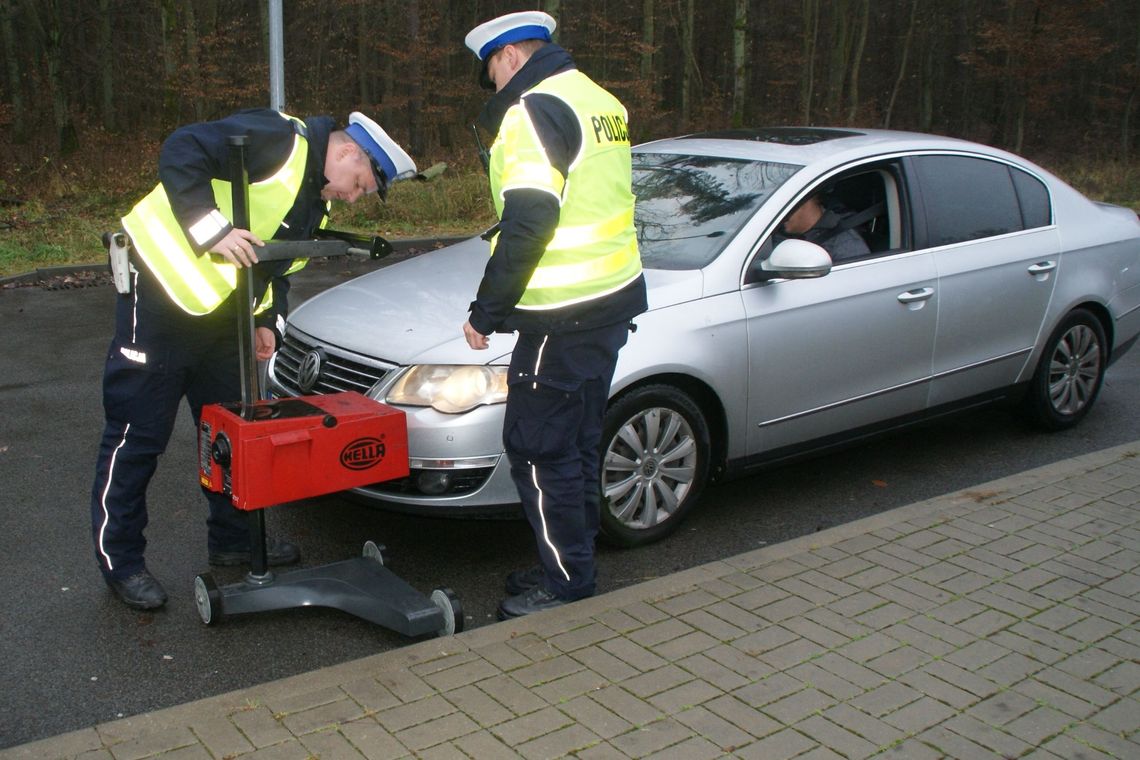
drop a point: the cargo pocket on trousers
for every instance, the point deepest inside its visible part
(133, 379)
(542, 423)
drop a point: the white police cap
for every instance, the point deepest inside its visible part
(513, 27)
(389, 161)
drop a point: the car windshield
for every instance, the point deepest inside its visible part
(689, 207)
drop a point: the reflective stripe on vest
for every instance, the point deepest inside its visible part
(196, 283)
(594, 249)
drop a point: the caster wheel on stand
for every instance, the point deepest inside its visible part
(208, 599)
(448, 603)
(376, 552)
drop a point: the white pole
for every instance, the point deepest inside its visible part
(276, 57)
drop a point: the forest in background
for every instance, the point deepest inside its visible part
(91, 87)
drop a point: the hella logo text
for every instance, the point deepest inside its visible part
(362, 453)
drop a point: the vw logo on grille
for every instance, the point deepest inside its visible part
(310, 370)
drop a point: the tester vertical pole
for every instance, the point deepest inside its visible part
(239, 184)
(247, 352)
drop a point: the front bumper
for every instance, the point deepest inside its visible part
(456, 461)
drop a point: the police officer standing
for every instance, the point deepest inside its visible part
(565, 273)
(175, 327)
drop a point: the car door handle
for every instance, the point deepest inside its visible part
(913, 296)
(1042, 267)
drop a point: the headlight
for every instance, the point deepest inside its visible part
(450, 388)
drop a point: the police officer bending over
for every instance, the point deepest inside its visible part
(175, 330)
(565, 273)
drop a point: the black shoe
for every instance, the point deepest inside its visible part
(277, 552)
(535, 599)
(141, 591)
(520, 581)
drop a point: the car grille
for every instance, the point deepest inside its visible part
(339, 371)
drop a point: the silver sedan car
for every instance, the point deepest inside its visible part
(983, 279)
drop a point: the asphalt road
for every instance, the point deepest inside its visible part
(74, 656)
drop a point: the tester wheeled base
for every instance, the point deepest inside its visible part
(265, 452)
(361, 586)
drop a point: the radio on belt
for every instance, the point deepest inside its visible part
(278, 450)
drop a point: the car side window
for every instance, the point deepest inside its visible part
(966, 199)
(861, 216)
(1034, 198)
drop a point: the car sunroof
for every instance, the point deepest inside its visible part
(781, 135)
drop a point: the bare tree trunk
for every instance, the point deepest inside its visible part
(415, 80)
(169, 25)
(106, 70)
(554, 8)
(12, 68)
(364, 54)
(647, 40)
(1126, 117)
(902, 65)
(810, 42)
(50, 32)
(739, 62)
(856, 60)
(689, 71)
(1008, 101)
(926, 98)
(1126, 128)
(840, 55)
(966, 107)
(388, 80)
(193, 52)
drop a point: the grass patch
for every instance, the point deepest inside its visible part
(35, 235)
(1109, 181)
(68, 230)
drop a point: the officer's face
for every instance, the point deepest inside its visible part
(499, 67)
(349, 174)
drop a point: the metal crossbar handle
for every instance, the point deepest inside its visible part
(280, 250)
(348, 245)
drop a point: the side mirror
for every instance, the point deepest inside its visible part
(795, 260)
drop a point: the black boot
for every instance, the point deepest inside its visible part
(142, 591)
(536, 599)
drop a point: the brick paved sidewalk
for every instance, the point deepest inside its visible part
(997, 622)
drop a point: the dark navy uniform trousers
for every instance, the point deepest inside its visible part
(552, 428)
(159, 355)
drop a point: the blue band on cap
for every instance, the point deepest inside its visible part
(361, 137)
(519, 33)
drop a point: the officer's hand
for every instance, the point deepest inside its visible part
(264, 343)
(237, 247)
(475, 339)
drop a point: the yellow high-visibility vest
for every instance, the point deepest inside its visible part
(197, 283)
(594, 249)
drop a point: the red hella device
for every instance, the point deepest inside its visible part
(281, 450)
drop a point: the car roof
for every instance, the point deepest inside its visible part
(806, 145)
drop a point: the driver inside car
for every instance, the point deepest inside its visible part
(815, 223)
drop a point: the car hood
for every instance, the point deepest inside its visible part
(412, 312)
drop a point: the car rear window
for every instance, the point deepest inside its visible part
(967, 199)
(1035, 210)
(689, 207)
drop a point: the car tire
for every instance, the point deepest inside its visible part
(654, 463)
(1069, 373)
